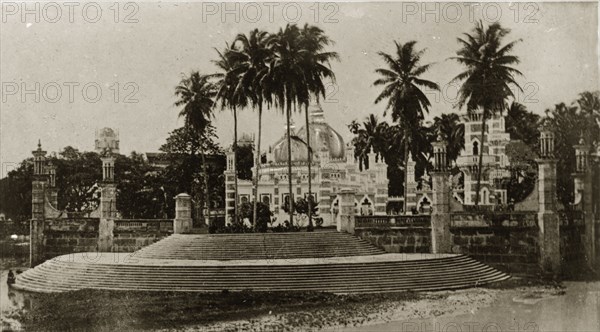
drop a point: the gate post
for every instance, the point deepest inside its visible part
(548, 221)
(441, 239)
(583, 196)
(346, 220)
(183, 214)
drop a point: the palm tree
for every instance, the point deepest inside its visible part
(316, 64)
(452, 129)
(231, 97)
(402, 88)
(196, 97)
(254, 56)
(370, 135)
(589, 104)
(289, 88)
(487, 76)
(522, 124)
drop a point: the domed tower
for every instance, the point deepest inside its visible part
(322, 137)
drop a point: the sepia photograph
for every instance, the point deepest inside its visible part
(307, 165)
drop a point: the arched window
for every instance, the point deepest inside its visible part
(475, 148)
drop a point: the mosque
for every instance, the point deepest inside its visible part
(334, 168)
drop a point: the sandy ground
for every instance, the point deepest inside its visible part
(431, 304)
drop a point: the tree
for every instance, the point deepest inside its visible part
(452, 130)
(522, 125)
(523, 170)
(370, 135)
(568, 124)
(263, 214)
(183, 148)
(230, 96)
(487, 76)
(286, 76)
(589, 105)
(15, 192)
(402, 86)
(196, 97)
(77, 177)
(254, 56)
(316, 64)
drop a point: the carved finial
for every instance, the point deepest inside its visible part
(440, 137)
(39, 143)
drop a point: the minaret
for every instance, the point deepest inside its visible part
(40, 181)
(230, 186)
(411, 184)
(38, 188)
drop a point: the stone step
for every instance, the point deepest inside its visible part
(258, 246)
(361, 277)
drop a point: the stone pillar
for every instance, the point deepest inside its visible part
(108, 205)
(346, 222)
(583, 196)
(441, 238)
(548, 220)
(183, 214)
(38, 193)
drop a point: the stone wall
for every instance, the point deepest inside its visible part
(69, 235)
(572, 237)
(398, 239)
(507, 241)
(133, 234)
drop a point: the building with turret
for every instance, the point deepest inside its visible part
(494, 160)
(333, 168)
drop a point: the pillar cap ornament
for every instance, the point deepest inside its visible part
(546, 140)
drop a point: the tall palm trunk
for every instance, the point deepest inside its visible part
(309, 155)
(206, 189)
(480, 161)
(235, 177)
(257, 165)
(289, 146)
(406, 147)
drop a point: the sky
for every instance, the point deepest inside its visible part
(135, 55)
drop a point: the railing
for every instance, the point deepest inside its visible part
(147, 225)
(393, 221)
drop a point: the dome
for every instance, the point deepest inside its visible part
(322, 138)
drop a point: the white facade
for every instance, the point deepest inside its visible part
(333, 169)
(495, 161)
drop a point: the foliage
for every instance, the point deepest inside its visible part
(523, 125)
(244, 161)
(569, 124)
(263, 215)
(15, 192)
(452, 130)
(140, 191)
(77, 177)
(286, 227)
(184, 148)
(523, 170)
(487, 76)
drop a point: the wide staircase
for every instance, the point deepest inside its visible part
(259, 246)
(320, 261)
